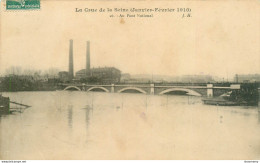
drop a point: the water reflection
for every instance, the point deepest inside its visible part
(258, 114)
(88, 109)
(70, 116)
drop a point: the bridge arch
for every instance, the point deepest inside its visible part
(132, 88)
(92, 88)
(189, 91)
(72, 87)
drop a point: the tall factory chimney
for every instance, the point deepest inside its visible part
(71, 72)
(88, 59)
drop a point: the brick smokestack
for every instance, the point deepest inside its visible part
(71, 72)
(88, 59)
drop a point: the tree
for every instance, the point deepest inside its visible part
(51, 73)
(13, 70)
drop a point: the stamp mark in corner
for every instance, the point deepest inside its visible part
(22, 4)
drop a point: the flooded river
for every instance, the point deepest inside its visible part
(81, 125)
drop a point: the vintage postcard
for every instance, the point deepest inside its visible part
(129, 80)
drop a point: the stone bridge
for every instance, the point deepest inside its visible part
(159, 89)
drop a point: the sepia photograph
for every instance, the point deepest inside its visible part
(130, 80)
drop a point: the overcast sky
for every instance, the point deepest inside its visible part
(221, 38)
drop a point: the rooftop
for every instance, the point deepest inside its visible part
(99, 69)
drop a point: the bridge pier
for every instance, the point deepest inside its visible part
(210, 90)
(152, 89)
(112, 88)
(83, 87)
(258, 89)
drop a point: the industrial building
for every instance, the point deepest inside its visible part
(247, 78)
(101, 74)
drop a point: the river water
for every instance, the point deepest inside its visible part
(94, 125)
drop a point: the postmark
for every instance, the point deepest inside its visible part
(22, 4)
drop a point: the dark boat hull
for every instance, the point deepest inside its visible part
(223, 102)
(4, 105)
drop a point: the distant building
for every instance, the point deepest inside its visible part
(103, 74)
(196, 79)
(125, 77)
(248, 78)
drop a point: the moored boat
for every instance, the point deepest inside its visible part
(4, 104)
(221, 101)
(232, 98)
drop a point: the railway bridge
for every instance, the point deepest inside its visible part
(158, 89)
